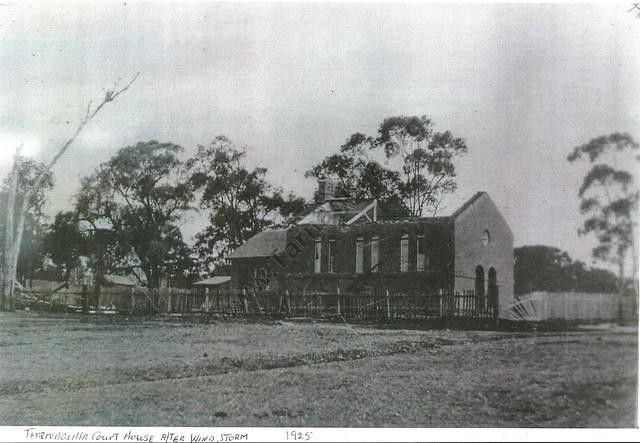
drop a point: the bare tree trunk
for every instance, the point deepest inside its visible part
(14, 229)
(621, 284)
(634, 259)
(9, 275)
(15, 252)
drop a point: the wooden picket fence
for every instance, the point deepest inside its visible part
(379, 305)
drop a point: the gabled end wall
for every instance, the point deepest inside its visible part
(470, 250)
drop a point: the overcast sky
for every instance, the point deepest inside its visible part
(522, 84)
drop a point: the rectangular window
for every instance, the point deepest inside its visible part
(332, 255)
(317, 256)
(359, 254)
(421, 255)
(374, 253)
(404, 253)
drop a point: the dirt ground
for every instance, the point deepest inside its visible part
(74, 370)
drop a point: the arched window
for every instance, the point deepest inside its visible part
(486, 237)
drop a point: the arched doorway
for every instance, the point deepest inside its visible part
(479, 288)
(493, 288)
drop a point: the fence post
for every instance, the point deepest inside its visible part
(386, 299)
(267, 302)
(338, 299)
(280, 301)
(132, 304)
(244, 300)
(286, 293)
(85, 299)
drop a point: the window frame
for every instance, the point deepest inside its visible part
(374, 265)
(404, 252)
(421, 240)
(331, 259)
(485, 238)
(317, 256)
(359, 268)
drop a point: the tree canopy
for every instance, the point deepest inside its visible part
(239, 200)
(134, 201)
(609, 197)
(65, 243)
(546, 268)
(418, 169)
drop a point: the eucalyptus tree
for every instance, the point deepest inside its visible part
(238, 200)
(29, 257)
(133, 204)
(609, 198)
(20, 198)
(416, 167)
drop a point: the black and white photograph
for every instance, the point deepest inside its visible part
(306, 217)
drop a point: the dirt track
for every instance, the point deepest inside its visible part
(114, 371)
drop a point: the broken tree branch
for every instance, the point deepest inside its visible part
(15, 219)
(108, 97)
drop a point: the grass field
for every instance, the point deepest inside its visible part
(75, 370)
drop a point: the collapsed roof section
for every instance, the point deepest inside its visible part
(341, 212)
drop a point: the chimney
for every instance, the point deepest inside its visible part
(326, 189)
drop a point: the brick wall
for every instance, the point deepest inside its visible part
(470, 250)
(454, 248)
(438, 235)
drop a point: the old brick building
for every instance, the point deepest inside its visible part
(347, 247)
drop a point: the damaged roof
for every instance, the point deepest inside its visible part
(334, 212)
